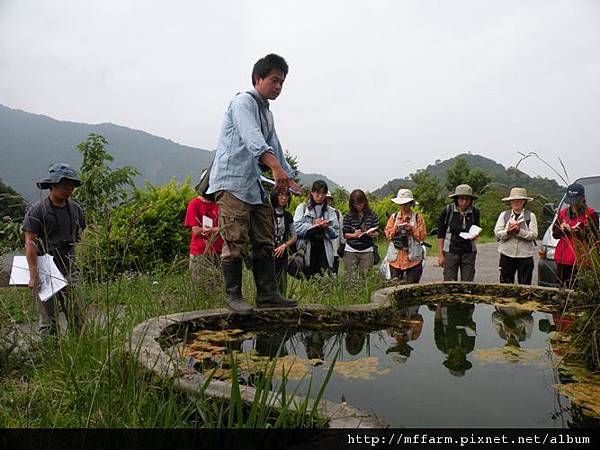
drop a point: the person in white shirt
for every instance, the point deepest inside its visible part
(516, 231)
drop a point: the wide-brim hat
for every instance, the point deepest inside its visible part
(58, 172)
(517, 193)
(404, 196)
(575, 192)
(463, 190)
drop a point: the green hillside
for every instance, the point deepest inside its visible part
(31, 142)
(501, 175)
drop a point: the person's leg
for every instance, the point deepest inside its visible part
(525, 270)
(467, 266)
(195, 269)
(395, 273)
(451, 265)
(71, 299)
(262, 237)
(365, 262)
(234, 222)
(350, 263)
(48, 312)
(413, 274)
(281, 273)
(508, 266)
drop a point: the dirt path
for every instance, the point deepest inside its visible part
(486, 268)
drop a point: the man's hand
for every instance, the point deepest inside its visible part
(282, 179)
(441, 260)
(279, 251)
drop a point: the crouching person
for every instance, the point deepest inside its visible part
(53, 226)
(516, 231)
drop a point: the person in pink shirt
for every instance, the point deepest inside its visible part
(206, 243)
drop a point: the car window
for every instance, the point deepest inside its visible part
(592, 193)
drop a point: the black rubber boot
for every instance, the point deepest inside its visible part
(232, 271)
(267, 291)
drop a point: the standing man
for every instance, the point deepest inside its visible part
(248, 144)
(53, 226)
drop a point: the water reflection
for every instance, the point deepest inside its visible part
(271, 344)
(409, 329)
(355, 341)
(454, 332)
(512, 325)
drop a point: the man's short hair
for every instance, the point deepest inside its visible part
(262, 68)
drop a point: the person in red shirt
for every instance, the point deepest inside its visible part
(206, 243)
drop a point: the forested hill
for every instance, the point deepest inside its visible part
(508, 177)
(29, 143)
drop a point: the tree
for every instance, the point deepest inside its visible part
(12, 204)
(461, 173)
(102, 187)
(458, 173)
(427, 191)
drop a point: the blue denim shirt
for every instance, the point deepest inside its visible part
(236, 166)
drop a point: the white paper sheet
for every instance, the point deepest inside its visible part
(51, 280)
(207, 222)
(472, 233)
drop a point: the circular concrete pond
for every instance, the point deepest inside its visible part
(433, 355)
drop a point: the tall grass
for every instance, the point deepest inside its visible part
(86, 380)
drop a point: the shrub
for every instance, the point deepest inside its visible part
(142, 235)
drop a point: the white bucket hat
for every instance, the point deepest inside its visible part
(517, 193)
(404, 196)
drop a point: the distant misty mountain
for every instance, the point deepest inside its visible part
(29, 143)
(507, 177)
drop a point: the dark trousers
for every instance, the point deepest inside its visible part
(566, 274)
(410, 276)
(318, 259)
(281, 266)
(523, 267)
(465, 262)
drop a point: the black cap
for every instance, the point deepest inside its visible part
(575, 193)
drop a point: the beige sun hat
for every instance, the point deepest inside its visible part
(404, 196)
(517, 193)
(463, 190)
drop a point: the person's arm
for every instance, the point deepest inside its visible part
(32, 261)
(441, 235)
(374, 223)
(390, 229)
(557, 231)
(500, 230)
(531, 233)
(301, 222)
(283, 181)
(348, 223)
(333, 231)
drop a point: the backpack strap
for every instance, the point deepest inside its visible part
(262, 116)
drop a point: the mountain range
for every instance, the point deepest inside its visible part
(30, 143)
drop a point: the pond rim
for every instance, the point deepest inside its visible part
(145, 346)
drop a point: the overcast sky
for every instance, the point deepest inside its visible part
(376, 89)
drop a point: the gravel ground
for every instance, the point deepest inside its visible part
(486, 266)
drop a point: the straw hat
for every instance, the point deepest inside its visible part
(404, 196)
(463, 190)
(517, 193)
